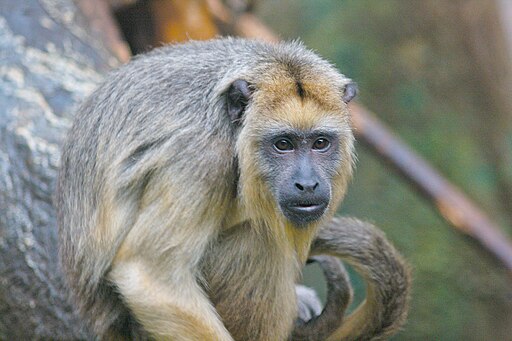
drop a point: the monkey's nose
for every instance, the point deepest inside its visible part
(306, 186)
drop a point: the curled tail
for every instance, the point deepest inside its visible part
(387, 275)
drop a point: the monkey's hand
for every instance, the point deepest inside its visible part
(387, 276)
(313, 324)
(308, 304)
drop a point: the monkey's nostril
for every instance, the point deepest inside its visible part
(310, 187)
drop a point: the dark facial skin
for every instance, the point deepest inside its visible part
(300, 166)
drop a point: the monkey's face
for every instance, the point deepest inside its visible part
(300, 160)
(294, 150)
(299, 166)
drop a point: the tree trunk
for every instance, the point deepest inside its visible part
(49, 60)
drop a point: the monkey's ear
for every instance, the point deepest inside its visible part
(349, 92)
(237, 98)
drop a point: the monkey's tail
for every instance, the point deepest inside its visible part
(339, 297)
(387, 275)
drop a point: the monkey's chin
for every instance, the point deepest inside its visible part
(303, 214)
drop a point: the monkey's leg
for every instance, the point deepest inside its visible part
(387, 276)
(339, 296)
(169, 307)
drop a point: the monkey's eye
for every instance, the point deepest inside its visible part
(283, 145)
(321, 144)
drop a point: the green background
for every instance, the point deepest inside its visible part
(415, 74)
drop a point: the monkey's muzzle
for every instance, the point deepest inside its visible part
(303, 212)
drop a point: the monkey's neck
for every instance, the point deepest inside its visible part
(288, 241)
(299, 239)
(272, 229)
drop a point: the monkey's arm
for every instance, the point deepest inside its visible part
(168, 308)
(387, 276)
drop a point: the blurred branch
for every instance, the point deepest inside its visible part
(102, 24)
(242, 24)
(178, 20)
(451, 203)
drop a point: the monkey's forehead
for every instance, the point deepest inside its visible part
(281, 83)
(296, 113)
(325, 96)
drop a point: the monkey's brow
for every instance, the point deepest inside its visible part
(300, 133)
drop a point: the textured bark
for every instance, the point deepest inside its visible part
(48, 62)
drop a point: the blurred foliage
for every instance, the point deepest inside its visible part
(412, 64)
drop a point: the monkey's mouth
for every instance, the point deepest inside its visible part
(302, 213)
(308, 207)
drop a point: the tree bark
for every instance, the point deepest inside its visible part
(49, 60)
